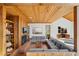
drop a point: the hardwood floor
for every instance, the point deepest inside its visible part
(40, 45)
(21, 51)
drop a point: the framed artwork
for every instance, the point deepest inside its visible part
(37, 30)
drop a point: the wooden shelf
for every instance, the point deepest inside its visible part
(10, 36)
(9, 21)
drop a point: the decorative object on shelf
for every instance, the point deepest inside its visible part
(62, 33)
(59, 29)
(65, 31)
(9, 37)
(9, 50)
(9, 44)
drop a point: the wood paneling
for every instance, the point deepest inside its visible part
(37, 13)
(70, 15)
(75, 28)
(2, 30)
(22, 22)
(60, 13)
(16, 32)
(42, 13)
(46, 13)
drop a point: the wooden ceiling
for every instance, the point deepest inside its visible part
(46, 13)
(70, 16)
(37, 13)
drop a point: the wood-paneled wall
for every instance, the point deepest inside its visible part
(2, 31)
(22, 21)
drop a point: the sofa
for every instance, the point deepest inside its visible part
(61, 45)
(38, 38)
(47, 50)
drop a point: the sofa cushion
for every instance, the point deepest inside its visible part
(51, 50)
(36, 49)
(63, 50)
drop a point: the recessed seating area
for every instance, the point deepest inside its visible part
(51, 45)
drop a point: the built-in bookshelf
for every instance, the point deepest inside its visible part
(9, 37)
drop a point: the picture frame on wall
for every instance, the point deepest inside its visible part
(37, 30)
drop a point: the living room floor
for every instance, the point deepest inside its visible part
(21, 51)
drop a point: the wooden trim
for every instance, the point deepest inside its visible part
(2, 31)
(16, 35)
(75, 28)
